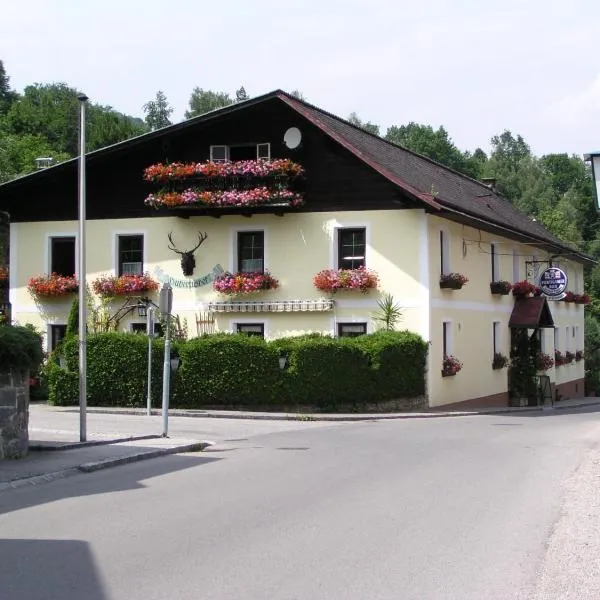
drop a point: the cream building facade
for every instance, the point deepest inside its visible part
(367, 203)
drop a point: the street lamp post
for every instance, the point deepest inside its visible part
(165, 305)
(594, 159)
(82, 276)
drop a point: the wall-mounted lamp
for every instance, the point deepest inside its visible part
(142, 310)
(283, 360)
(175, 361)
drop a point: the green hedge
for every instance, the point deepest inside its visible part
(239, 371)
(20, 348)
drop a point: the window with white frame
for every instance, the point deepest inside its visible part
(516, 266)
(250, 251)
(143, 328)
(556, 338)
(495, 260)
(351, 247)
(251, 329)
(447, 338)
(236, 152)
(444, 253)
(57, 334)
(568, 338)
(351, 329)
(130, 254)
(62, 255)
(496, 341)
(575, 280)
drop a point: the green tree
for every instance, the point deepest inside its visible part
(367, 126)
(241, 95)
(437, 145)
(203, 101)
(7, 96)
(298, 94)
(157, 111)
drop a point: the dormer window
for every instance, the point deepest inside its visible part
(237, 152)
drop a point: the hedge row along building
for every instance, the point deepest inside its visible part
(274, 218)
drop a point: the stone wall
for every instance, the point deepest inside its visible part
(14, 414)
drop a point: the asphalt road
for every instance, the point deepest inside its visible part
(466, 508)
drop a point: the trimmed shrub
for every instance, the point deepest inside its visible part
(229, 370)
(20, 348)
(63, 385)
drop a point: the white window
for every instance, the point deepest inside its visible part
(219, 153)
(556, 338)
(447, 338)
(567, 338)
(130, 254)
(351, 329)
(444, 252)
(495, 262)
(251, 329)
(263, 151)
(496, 341)
(516, 266)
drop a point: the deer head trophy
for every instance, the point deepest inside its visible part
(188, 262)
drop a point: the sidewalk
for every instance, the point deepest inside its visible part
(282, 416)
(58, 456)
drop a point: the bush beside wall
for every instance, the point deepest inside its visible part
(20, 349)
(236, 371)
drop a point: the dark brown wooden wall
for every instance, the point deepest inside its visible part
(335, 179)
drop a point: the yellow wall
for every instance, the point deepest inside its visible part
(296, 248)
(472, 311)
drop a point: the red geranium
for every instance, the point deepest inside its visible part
(124, 285)
(332, 280)
(244, 283)
(53, 285)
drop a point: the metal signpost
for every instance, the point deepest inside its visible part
(150, 333)
(165, 305)
(82, 276)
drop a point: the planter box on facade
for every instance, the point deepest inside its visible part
(14, 414)
(500, 288)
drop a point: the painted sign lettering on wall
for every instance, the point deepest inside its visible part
(188, 283)
(553, 283)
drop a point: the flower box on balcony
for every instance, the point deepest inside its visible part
(333, 280)
(451, 366)
(579, 355)
(569, 297)
(569, 357)
(53, 286)
(232, 284)
(499, 361)
(524, 289)
(500, 288)
(124, 285)
(452, 281)
(559, 358)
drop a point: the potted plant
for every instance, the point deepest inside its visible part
(450, 366)
(124, 285)
(582, 299)
(452, 281)
(569, 297)
(499, 361)
(53, 286)
(544, 362)
(389, 314)
(579, 355)
(524, 289)
(333, 280)
(559, 358)
(232, 284)
(569, 357)
(500, 288)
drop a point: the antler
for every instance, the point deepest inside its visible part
(201, 238)
(172, 246)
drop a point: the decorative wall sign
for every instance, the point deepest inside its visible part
(553, 283)
(189, 283)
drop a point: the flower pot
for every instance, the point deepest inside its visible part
(499, 289)
(448, 373)
(450, 285)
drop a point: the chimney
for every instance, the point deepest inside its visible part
(489, 182)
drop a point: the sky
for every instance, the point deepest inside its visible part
(475, 67)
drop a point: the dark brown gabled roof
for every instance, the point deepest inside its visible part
(531, 313)
(436, 185)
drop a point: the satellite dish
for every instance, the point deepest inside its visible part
(292, 138)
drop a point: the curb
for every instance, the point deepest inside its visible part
(46, 447)
(334, 418)
(99, 465)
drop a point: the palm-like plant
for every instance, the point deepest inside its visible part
(389, 314)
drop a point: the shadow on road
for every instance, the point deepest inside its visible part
(117, 479)
(48, 570)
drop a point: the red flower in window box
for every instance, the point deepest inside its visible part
(453, 281)
(53, 285)
(124, 285)
(569, 297)
(559, 358)
(544, 362)
(579, 355)
(332, 280)
(500, 361)
(569, 357)
(451, 366)
(244, 283)
(582, 299)
(524, 289)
